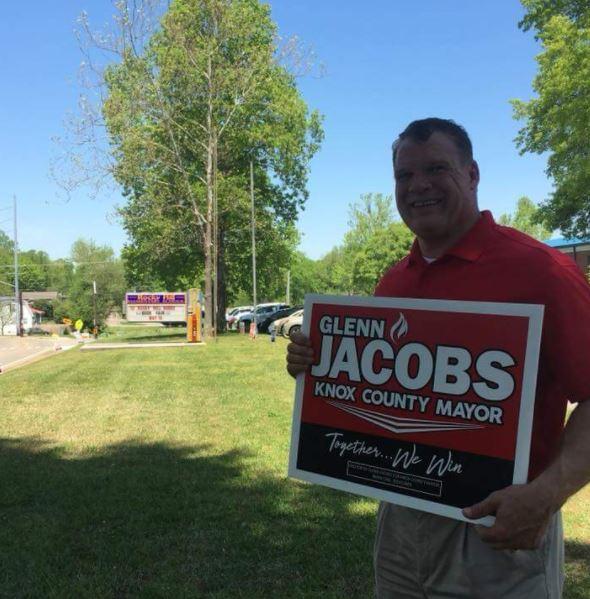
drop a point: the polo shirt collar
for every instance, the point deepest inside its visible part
(470, 247)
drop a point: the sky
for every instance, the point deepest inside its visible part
(385, 64)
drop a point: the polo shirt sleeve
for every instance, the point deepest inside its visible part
(565, 344)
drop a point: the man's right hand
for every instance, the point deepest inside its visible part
(299, 354)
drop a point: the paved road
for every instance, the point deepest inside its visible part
(16, 349)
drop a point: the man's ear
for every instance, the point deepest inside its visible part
(473, 176)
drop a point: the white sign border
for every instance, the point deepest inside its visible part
(176, 318)
(533, 312)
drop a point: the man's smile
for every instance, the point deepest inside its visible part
(425, 203)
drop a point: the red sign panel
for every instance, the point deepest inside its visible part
(425, 403)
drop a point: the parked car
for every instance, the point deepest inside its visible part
(293, 323)
(233, 311)
(277, 325)
(263, 311)
(232, 316)
(264, 326)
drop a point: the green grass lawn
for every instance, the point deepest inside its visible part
(162, 473)
(138, 333)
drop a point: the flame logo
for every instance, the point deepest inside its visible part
(399, 329)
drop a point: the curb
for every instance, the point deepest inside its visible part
(105, 346)
(36, 357)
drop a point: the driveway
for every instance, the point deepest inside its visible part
(17, 351)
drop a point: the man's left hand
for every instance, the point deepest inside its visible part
(522, 516)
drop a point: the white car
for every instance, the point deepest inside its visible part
(232, 315)
(293, 323)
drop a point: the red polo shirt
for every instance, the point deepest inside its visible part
(499, 264)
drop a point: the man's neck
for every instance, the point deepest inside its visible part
(433, 248)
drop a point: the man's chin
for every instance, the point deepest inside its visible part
(427, 228)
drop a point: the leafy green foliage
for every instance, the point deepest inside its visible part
(6, 264)
(185, 118)
(35, 268)
(383, 249)
(525, 219)
(374, 242)
(540, 12)
(556, 121)
(305, 277)
(92, 263)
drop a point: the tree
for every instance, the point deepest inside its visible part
(525, 220)
(6, 265)
(385, 247)
(374, 242)
(187, 107)
(329, 272)
(61, 275)
(93, 263)
(305, 277)
(556, 121)
(34, 270)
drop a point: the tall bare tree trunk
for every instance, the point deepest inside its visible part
(209, 179)
(209, 308)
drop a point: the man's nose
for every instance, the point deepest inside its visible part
(419, 183)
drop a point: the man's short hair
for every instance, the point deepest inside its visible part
(421, 131)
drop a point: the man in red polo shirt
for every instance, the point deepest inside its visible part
(461, 254)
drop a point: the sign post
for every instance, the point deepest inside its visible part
(193, 321)
(423, 403)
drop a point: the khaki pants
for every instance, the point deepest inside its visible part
(424, 556)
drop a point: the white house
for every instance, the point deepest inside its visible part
(30, 316)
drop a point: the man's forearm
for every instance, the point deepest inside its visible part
(570, 470)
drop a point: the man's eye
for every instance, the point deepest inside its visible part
(402, 176)
(439, 168)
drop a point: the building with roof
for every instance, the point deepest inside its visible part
(41, 295)
(30, 316)
(578, 249)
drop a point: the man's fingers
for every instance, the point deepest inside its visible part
(294, 349)
(520, 524)
(496, 535)
(299, 354)
(298, 363)
(295, 369)
(298, 338)
(487, 507)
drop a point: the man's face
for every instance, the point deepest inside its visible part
(435, 190)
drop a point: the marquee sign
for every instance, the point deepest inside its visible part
(156, 307)
(424, 403)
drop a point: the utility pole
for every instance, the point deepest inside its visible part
(215, 246)
(288, 298)
(17, 296)
(94, 306)
(253, 246)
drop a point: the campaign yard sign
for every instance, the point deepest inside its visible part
(423, 403)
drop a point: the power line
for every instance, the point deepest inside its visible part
(52, 264)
